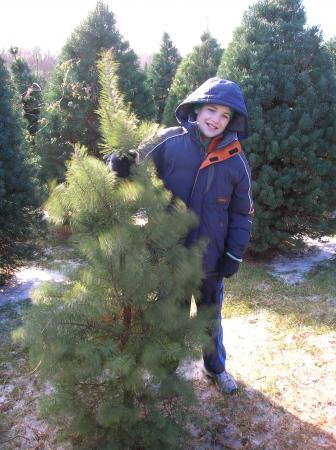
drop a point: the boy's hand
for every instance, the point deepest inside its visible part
(121, 166)
(227, 266)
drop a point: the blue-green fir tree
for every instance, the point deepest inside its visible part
(161, 73)
(331, 46)
(18, 192)
(110, 338)
(202, 63)
(71, 99)
(286, 74)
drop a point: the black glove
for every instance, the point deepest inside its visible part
(227, 266)
(121, 165)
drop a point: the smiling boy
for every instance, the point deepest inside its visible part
(203, 164)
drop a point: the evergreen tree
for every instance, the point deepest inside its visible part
(194, 69)
(109, 339)
(286, 74)
(72, 99)
(161, 73)
(17, 190)
(29, 89)
(331, 45)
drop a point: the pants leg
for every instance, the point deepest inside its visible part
(210, 303)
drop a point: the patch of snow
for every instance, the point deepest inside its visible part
(191, 369)
(48, 388)
(24, 280)
(292, 269)
(6, 391)
(36, 275)
(239, 329)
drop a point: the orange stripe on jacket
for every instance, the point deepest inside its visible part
(217, 156)
(220, 155)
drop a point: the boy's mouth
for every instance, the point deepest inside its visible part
(211, 126)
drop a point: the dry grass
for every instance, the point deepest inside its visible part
(20, 391)
(281, 343)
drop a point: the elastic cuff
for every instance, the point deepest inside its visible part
(234, 257)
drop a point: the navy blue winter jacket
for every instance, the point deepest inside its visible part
(220, 192)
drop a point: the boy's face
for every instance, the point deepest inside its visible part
(212, 119)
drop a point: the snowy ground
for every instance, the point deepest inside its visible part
(24, 281)
(283, 404)
(20, 286)
(293, 269)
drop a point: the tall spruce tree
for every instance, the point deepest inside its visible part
(201, 64)
(29, 89)
(331, 46)
(109, 339)
(18, 193)
(161, 73)
(286, 74)
(72, 98)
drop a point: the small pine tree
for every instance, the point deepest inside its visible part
(71, 100)
(161, 73)
(286, 74)
(116, 329)
(194, 69)
(29, 89)
(18, 193)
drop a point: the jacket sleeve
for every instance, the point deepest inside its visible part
(157, 155)
(157, 151)
(240, 214)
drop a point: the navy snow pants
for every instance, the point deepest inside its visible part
(210, 302)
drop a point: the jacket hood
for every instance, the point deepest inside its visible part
(219, 92)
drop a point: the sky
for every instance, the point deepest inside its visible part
(48, 23)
